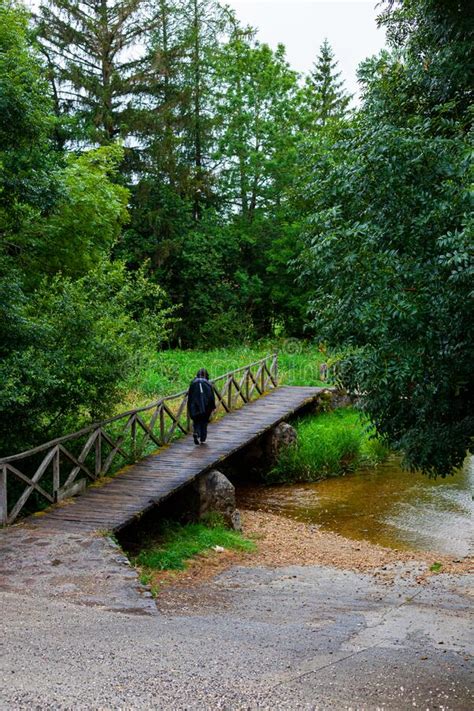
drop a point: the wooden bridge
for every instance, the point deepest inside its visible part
(249, 398)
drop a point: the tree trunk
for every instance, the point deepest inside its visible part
(197, 211)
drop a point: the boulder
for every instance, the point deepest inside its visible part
(236, 521)
(341, 398)
(332, 399)
(281, 436)
(216, 493)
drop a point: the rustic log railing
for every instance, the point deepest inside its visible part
(62, 467)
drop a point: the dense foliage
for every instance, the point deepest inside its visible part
(389, 256)
(212, 122)
(331, 444)
(71, 320)
(157, 156)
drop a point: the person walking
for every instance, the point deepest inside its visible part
(201, 404)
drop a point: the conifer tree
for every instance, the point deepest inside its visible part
(178, 130)
(175, 185)
(324, 90)
(96, 63)
(205, 23)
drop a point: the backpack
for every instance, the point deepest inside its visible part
(200, 398)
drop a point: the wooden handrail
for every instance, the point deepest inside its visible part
(115, 418)
(101, 447)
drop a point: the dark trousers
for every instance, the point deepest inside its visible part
(200, 427)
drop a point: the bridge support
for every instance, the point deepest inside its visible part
(217, 494)
(281, 436)
(332, 399)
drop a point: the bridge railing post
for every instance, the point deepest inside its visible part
(133, 436)
(56, 471)
(98, 453)
(162, 425)
(188, 420)
(3, 496)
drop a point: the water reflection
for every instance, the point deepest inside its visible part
(384, 504)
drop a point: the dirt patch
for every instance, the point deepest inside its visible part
(282, 541)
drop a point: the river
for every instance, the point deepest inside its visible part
(383, 504)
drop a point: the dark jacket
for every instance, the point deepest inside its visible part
(201, 401)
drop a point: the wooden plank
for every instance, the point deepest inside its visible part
(32, 484)
(79, 462)
(220, 397)
(78, 487)
(56, 471)
(148, 433)
(116, 445)
(98, 453)
(256, 385)
(176, 418)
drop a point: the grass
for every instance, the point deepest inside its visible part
(168, 372)
(179, 543)
(328, 444)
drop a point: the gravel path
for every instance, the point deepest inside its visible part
(310, 637)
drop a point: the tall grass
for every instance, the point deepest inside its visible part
(328, 444)
(178, 544)
(170, 371)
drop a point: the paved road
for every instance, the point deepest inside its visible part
(286, 638)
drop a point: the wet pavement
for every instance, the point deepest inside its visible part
(80, 632)
(297, 637)
(83, 568)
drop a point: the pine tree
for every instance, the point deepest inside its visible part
(95, 60)
(174, 200)
(179, 131)
(325, 95)
(205, 23)
(162, 125)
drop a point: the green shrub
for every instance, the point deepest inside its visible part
(63, 365)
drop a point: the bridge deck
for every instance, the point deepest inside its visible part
(118, 501)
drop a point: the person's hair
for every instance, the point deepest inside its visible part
(202, 373)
